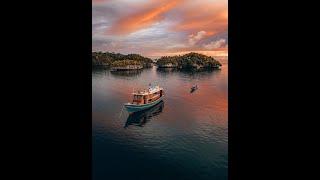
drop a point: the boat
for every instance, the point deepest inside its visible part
(145, 99)
(141, 117)
(193, 88)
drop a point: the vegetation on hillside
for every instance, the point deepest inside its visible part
(114, 59)
(126, 62)
(187, 61)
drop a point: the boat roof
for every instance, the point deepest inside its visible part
(151, 90)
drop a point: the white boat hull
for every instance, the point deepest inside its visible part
(134, 107)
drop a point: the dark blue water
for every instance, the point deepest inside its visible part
(183, 137)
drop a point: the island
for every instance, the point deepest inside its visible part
(118, 62)
(126, 65)
(189, 61)
(121, 62)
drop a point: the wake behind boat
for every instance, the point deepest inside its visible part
(145, 99)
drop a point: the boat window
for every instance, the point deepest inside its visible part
(136, 97)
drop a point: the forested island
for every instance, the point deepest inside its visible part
(117, 61)
(189, 61)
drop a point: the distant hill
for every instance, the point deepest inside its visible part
(108, 59)
(189, 61)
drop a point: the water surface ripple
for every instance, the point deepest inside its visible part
(184, 137)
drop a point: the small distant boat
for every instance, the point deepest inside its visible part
(145, 99)
(193, 88)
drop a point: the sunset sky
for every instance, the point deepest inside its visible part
(156, 28)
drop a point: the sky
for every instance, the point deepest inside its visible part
(155, 28)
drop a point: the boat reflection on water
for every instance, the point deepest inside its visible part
(141, 117)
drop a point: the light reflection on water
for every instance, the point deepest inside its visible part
(184, 137)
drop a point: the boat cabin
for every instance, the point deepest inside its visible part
(147, 96)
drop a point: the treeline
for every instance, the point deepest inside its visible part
(111, 59)
(125, 63)
(190, 60)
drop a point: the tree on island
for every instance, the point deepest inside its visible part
(189, 61)
(125, 62)
(107, 59)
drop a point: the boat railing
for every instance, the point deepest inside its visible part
(146, 91)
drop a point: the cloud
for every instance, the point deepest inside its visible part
(156, 27)
(147, 15)
(210, 17)
(221, 43)
(193, 39)
(99, 2)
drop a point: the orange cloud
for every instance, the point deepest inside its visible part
(213, 19)
(149, 14)
(98, 1)
(215, 44)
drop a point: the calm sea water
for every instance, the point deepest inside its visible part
(184, 137)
